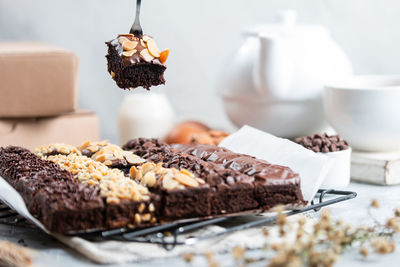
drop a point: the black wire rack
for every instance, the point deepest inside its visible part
(169, 235)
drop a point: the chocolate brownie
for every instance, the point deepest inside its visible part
(52, 195)
(179, 190)
(271, 184)
(274, 184)
(231, 191)
(72, 192)
(135, 61)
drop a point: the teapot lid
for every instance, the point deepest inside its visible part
(286, 26)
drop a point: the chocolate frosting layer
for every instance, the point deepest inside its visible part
(261, 170)
(214, 174)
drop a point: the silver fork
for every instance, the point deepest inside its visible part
(136, 29)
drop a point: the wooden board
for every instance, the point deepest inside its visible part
(376, 168)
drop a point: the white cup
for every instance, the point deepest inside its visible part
(365, 111)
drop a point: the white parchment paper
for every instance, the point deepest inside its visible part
(312, 167)
(13, 199)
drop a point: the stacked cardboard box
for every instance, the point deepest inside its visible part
(38, 97)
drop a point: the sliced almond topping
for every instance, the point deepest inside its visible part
(187, 172)
(122, 39)
(148, 166)
(143, 43)
(128, 53)
(146, 38)
(200, 181)
(153, 48)
(186, 180)
(169, 183)
(134, 173)
(164, 56)
(158, 168)
(149, 179)
(112, 74)
(132, 158)
(129, 45)
(110, 156)
(145, 54)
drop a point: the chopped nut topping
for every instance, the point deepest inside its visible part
(149, 179)
(146, 217)
(151, 207)
(141, 208)
(137, 218)
(113, 184)
(87, 144)
(59, 148)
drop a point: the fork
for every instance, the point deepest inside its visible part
(136, 29)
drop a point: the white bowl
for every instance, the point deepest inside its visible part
(365, 111)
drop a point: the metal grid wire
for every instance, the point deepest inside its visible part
(171, 234)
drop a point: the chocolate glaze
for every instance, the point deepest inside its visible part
(261, 170)
(157, 151)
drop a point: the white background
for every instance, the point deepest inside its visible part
(201, 36)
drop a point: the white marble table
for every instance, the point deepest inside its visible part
(53, 253)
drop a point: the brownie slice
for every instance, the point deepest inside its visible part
(274, 184)
(127, 203)
(52, 195)
(136, 61)
(231, 191)
(271, 185)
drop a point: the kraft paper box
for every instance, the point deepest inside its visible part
(73, 128)
(36, 80)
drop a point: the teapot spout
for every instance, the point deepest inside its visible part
(273, 69)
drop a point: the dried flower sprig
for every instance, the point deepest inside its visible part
(320, 243)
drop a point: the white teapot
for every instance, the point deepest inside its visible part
(276, 79)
